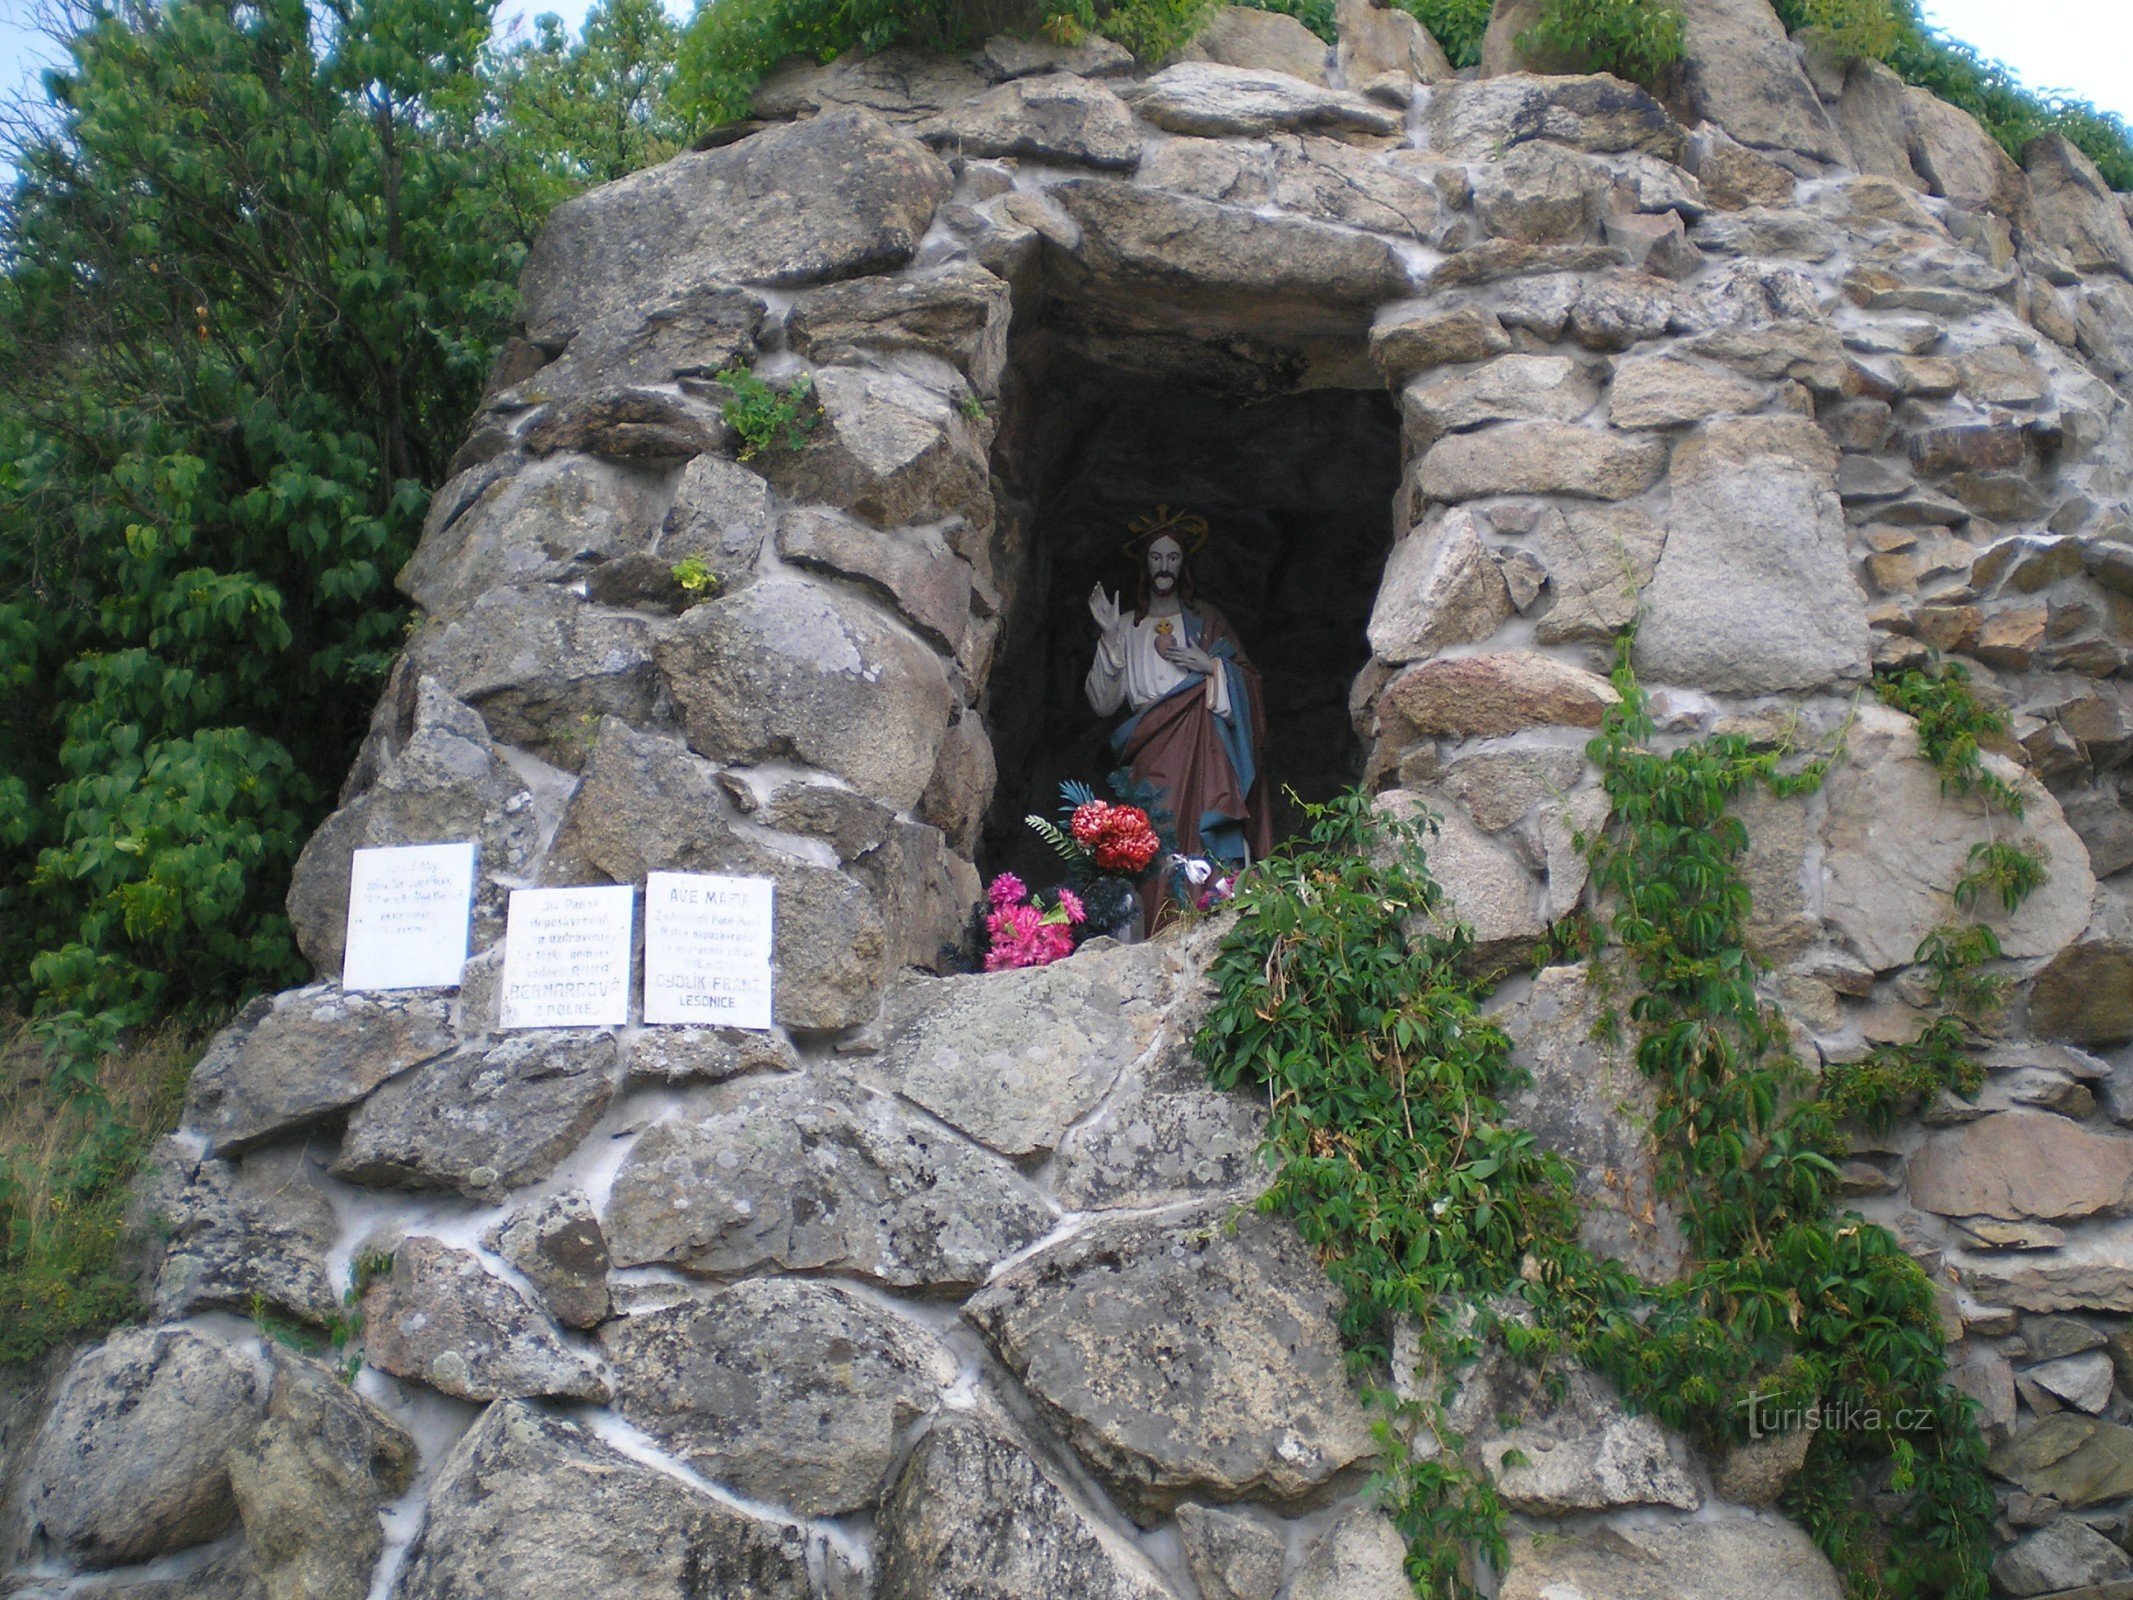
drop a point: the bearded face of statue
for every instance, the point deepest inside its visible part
(1164, 575)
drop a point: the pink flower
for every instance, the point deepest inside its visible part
(1070, 902)
(1006, 890)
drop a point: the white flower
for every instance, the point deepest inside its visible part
(1195, 870)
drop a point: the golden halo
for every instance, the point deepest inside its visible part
(1190, 531)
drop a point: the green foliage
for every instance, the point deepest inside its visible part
(1953, 725)
(694, 579)
(1458, 25)
(256, 264)
(1850, 28)
(2006, 872)
(766, 415)
(1344, 999)
(1633, 39)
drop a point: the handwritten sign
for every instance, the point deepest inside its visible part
(707, 948)
(567, 957)
(408, 908)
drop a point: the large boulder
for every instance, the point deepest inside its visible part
(1384, 52)
(557, 1246)
(959, 313)
(132, 1459)
(1479, 119)
(484, 1119)
(1598, 562)
(444, 780)
(813, 1174)
(1486, 696)
(2022, 1166)
(647, 805)
(833, 197)
(1755, 592)
(791, 1392)
(1715, 1558)
(1185, 1356)
(1263, 41)
(1215, 101)
(530, 1506)
(974, 1517)
(312, 1483)
(1541, 458)
(892, 450)
(913, 567)
(2085, 993)
(304, 1055)
(1588, 1102)
(1895, 844)
(1016, 1059)
(237, 1235)
(1738, 70)
(1059, 118)
(1960, 161)
(1361, 1556)
(2076, 215)
(795, 670)
(1442, 586)
(443, 1318)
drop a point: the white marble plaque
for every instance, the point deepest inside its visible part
(408, 910)
(707, 947)
(567, 957)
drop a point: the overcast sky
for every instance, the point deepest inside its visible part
(2082, 47)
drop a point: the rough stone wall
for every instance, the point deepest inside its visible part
(933, 1291)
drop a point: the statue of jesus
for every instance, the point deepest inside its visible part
(1198, 721)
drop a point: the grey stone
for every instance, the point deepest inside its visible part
(304, 1055)
(1474, 120)
(443, 1318)
(220, 1571)
(1441, 587)
(550, 521)
(913, 567)
(2021, 1164)
(1152, 1146)
(889, 449)
(973, 1517)
(1754, 591)
(1016, 1059)
(904, 84)
(2081, 1381)
(1884, 898)
(1248, 1395)
(2091, 1271)
(1359, 1557)
(445, 780)
(1668, 392)
(647, 805)
(1540, 193)
(1501, 781)
(703, 329)
(1416, 336)
(1009, 55)
(1055, 118)
(1262, 41)
(2085, 993)
(1734, 177)
(1599, 561)
(1488, 885)
(557, 1246)
(1404, 193)
(530, 1506)
(790, 1392)
(721, 515)
(833, 197)
(960, 789)
(1513, 388)
(130, 1461)
(482, 1120)
(1877, 122)
(1719, 1558)
(1738, 70)
(1232, 1555)
(313, 1480)
(1588, 1102)
(1541, 458)
(542, 666)
(1384, 53)
(675, 1056)
(2067, 1554)
(797, 670)
(1759, 1471)
(231, 1232)
(2076, 1460)
(648, 425)
(959, 314)
(815, 1175)
(1487, 696)
(1960, 160)
(1217, 101)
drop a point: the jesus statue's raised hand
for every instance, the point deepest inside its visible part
(1104, 608)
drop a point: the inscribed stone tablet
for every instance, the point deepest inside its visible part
(408, 909)
(707, 943)
(567, 957)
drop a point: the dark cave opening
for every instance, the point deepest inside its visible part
(1298, 491)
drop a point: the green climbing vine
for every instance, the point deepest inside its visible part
(1346, 996)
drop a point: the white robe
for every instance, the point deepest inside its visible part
(1129, 671)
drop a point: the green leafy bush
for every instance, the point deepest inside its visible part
(768, 416)
(1633, 39)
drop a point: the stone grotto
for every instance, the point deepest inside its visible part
(947, 1287)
